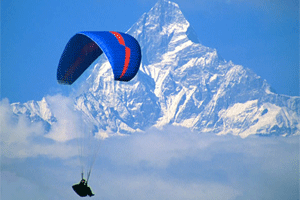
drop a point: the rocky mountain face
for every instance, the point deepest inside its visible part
(180, 82)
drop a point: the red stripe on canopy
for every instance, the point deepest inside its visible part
(119, 37)
(127, 52)
(127, 59)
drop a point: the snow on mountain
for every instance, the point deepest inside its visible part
(36, 111)
(180, 82)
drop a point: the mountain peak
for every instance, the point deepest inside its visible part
(185, 83)
(165, 17)
(180, 82)
(165, 3)
(162, 29)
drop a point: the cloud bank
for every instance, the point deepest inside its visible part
(175, 163)
(22, 138)
(172, 163)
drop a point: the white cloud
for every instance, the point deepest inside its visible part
(21, 138)
(16, 129)
(24, 188)
(175, 163)
(151, 186)
(15, 186)
(172, 163)
(159, 147)
(69, 123)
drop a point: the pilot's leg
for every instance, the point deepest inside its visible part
(89, 192)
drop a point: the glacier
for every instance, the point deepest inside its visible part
(180, 83)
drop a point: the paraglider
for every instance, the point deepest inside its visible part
(123, 53)
(82, 189)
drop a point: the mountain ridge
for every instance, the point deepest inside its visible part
(180, 82)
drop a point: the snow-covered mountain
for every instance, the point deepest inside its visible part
(180, 82)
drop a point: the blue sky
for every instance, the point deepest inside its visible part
(261, 35)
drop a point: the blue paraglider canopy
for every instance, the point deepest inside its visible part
(122, 51)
